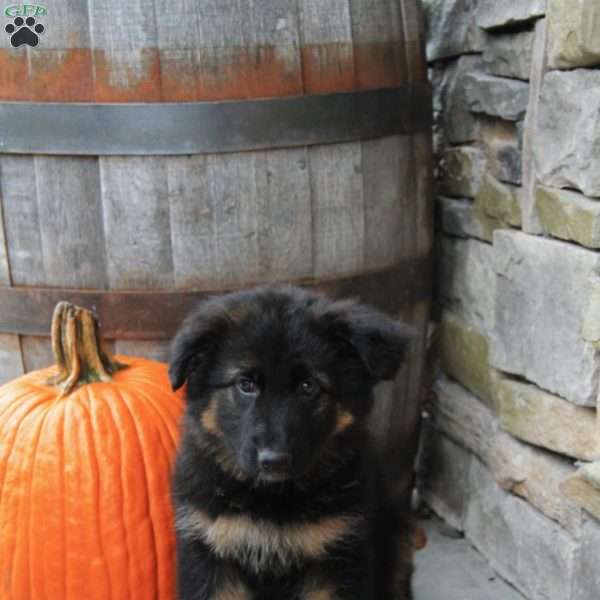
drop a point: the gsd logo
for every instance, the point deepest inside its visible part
(24, 29)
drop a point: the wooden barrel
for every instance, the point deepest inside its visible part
(154, 152)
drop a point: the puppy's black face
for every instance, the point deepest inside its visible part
(274, 375)
(274, 394)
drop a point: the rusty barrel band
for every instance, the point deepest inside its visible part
(142, 315)
(212, 127)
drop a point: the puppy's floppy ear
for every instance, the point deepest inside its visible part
(196, 341)
(380, 341)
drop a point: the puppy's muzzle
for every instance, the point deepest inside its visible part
(274, 463)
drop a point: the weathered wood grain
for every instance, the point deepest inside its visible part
(246, 216)
(284, 217)
(136, 223)
(14, 82)
(231, 50)
(70, 218)
(4, 266)
(409, 175)
(337, 208)
(214, 210)
(11, 364)
(154, 350)
(389, 216)
(234, 192)
(423, 199)
(414, 40)
(192, 215)
(36, 352)
(327, 46)
(21, 220)
(179, 42)
(379, 52)
(126, 57)
(60, 68)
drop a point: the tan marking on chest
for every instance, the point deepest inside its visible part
(343, 419)
(322, 594)
(261, 544)
(209, 419)
(233, 591)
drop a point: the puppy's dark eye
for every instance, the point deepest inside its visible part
(308, 388)
(247, 386)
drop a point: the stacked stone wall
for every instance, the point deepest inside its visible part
(512, 448)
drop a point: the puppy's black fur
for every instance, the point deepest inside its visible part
(276, 492)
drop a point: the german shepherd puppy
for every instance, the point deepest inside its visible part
(276, 493)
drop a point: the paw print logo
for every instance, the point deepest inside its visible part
(24, 32)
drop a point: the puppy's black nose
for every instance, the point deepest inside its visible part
(271, 461)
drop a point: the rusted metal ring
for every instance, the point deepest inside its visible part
(144, 315)
(212, 127)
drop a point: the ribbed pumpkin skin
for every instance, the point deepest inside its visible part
(85, 510)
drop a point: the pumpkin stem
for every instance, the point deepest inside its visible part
(78, 349)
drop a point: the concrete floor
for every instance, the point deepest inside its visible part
(451, 569)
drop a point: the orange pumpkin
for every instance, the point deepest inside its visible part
(86, 449)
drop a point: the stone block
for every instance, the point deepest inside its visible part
(573, 33)
(508, 54)
(526, 548)
(451, 28)
(456, 217)
(443, 472)
(454, 120)
(568, 131)
(591, 473)
(502, 146)
(569, 216)
(497, 206)
(530, 133)
(545, 420)
(500, 13)
(535, 476)
(496, 96)
(463, 352)
(464, 418)
(591, 320)
(466, 280)
(586, 579)
(528, 472)
(543, 288)
(461, 170)
(583, 491)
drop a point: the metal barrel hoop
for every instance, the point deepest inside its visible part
(212, 127)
